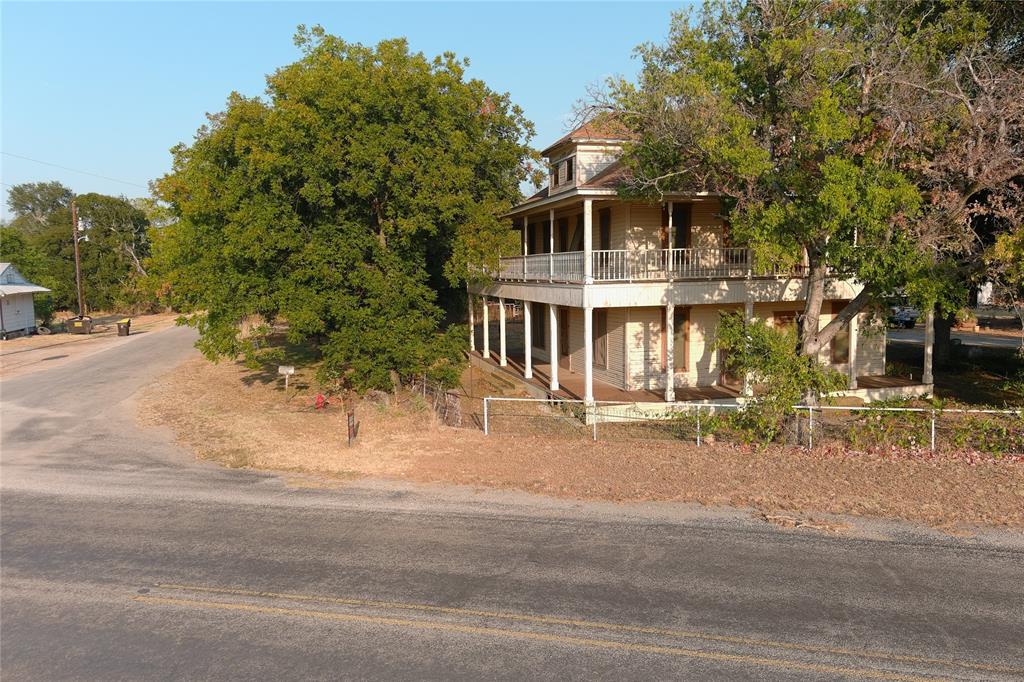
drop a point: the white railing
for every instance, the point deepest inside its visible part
(638, 265)
(642, 265)
(564, 266)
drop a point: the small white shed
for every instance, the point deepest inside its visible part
(17, 308)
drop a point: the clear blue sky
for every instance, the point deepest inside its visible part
(109, 87)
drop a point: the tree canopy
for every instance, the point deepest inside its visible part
(855, 137)
(39, 243)
(349, 202)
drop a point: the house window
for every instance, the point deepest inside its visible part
(680, 339)
(682, 225)
(600, 333)
(563, 171)
(604, 218)
(841, 341)
(538, 314)
(784, 319)
(681, 344)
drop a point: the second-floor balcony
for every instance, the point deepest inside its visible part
(641, 265)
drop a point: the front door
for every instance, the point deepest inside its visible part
(564, 359)
(725, 376)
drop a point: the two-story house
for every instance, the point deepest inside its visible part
(621, 299)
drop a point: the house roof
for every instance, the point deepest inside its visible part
(542, 194)
(609, 178)
(12, 282)
(601, 129)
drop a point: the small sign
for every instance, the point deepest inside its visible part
(287, 371)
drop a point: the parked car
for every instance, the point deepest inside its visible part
(903, 316)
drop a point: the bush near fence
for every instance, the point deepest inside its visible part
(939, 429)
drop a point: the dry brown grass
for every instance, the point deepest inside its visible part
(240, 418)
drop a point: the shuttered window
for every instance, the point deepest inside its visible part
(681, 345)
(682, 225)
(538, 325)
(841, 341)
(600, 333)
(604, 217)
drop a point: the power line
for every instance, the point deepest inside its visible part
(74, 170)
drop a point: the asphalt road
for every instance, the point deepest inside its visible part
(916, 336)
(123, 558)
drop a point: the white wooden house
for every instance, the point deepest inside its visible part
(621, 299)
(17, 307)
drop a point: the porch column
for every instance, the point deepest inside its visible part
(670, 352)
(551, 244)
(526, 236)
(527, 340)
(671, 241)
(502, 358)
(854, 333)
(472, 324)
(553, 344)
(748, 318)
(487, 329)
(588, 241)
(929, 345)
(588, 355)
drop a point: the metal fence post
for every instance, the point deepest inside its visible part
(698, 427)
(933, 430)
(486, 432)
(810, 428)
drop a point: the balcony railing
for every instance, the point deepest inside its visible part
(641, 265)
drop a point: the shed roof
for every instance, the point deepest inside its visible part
(12, 282)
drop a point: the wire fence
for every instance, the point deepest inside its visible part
(446, 403)
(991, 431)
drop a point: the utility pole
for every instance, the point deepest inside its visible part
(78, 258)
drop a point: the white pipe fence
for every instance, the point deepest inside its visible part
(592, 414)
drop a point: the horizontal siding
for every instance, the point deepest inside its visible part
(591, 161)
(643, 344)
(614, 373)
(19, 312)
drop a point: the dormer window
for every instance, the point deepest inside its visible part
(563, 171)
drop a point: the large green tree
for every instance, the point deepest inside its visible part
(39, 242)
(350, 201)
(852, 136)
(34, 204)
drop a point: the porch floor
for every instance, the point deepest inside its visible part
(880, 381)
(571, 384)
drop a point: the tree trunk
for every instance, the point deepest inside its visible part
(812, 304)
(942, 354)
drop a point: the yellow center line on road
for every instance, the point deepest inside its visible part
(597, 625)
(536, 636)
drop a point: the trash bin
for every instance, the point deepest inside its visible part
(124, 326)
(79, 325)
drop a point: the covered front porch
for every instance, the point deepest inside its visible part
(501, 341)
(571, 385)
